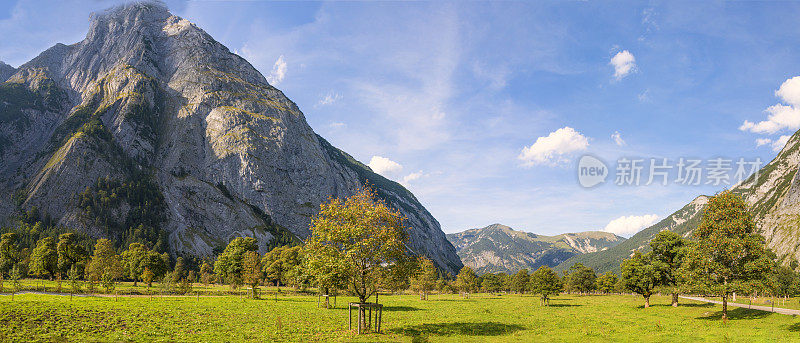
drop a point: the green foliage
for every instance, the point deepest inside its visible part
(579, 278)
(230, 264)
(545, 282)
(105, 265)
(355, 239)
(607, 283)
(44, 258)
(71, 254)
(640, 275)
(144, 218)
(729, 255)
(467, 281)
(11, 255)
(138, 258)
(425, 278)
(520, 281)
(252, 271)
(491, 283)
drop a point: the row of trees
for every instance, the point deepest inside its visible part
(727, 256)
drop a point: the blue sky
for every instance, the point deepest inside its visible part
(451, 98)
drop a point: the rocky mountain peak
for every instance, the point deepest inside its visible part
(151, 100)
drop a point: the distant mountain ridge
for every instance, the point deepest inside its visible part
(773, 195)
(499, 248)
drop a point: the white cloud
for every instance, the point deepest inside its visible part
(763, 141)
(384, 166)
(624, 63)
(776, 145)
(278, 72)
(551, 150)
(330, 98)
(337, 125)
(629, 225)
(780, 116)
(779, 143)
(790, 91)
(617, 138)
(411, 177)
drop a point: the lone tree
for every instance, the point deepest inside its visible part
(729, 254)
(467, 280)
(230, 264)
(11, 255)
(70, 254)
(580, 278)
(358, 238)
(607, 283)
(640, 276)
(252, 271)
(44, 258)
(545, 282)
(669, 251)
(425, 279)
(105, 264)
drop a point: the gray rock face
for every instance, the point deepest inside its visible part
(228, 152)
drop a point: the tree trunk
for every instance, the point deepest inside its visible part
(674, 299)
(362, 323)
(647, 301)
(725, 307)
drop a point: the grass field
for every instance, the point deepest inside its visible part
(570, 318)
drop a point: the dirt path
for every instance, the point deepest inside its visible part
(785, 311)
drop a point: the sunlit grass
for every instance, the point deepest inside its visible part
(442, 318)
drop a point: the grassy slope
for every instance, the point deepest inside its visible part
(443, 318)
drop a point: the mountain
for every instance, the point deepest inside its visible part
(6, 71)
(499, 248)
(773, 195)
(150, 129)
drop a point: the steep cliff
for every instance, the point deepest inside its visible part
(149, 127)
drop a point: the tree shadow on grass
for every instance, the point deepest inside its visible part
(400, 308)
(682, 305)
(458, 328)
(563, 305)
(794, 327)
(739, 313)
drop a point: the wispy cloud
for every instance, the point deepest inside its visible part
(618, 138)
(330, 98)
(278, 71)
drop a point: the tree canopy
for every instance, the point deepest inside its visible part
(355, 239)
(729, 255)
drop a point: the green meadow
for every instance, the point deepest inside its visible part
(442, 318)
